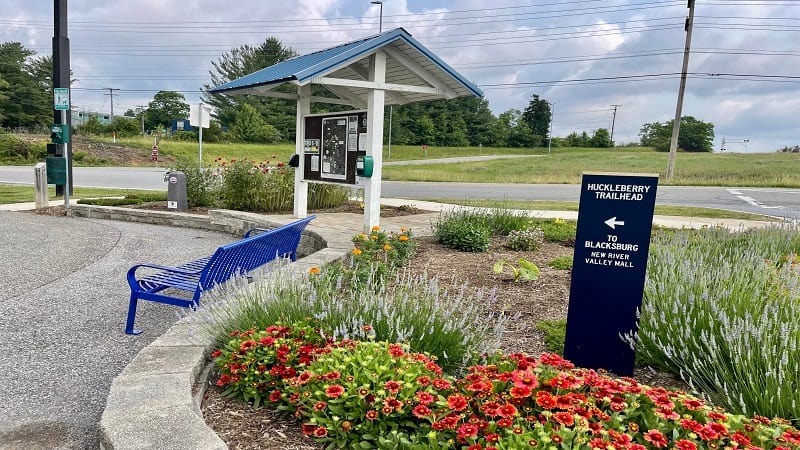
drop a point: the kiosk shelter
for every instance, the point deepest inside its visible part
(391, 68)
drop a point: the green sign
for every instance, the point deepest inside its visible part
(61, 99)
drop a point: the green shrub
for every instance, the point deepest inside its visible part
(555, 331)
(721, 310)
(463, 230)
(561, 263)
(12, 148)
(324, 196)
(557, 230)
(202, 184)
(502, 221)
(526, 240)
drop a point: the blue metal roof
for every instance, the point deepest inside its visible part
(304, 68)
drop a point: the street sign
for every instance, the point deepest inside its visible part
(615, 218)
(61, 99)
(200, 115)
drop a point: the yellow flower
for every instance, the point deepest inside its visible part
(387, 247)
(403, 238)
(374, 237)
(357, 251)
(375, 228)
(314, 270)
(362, 236)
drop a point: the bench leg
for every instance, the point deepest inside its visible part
(132, 316)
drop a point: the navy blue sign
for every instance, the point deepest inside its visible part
(611, 246)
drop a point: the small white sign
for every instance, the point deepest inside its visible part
(172, 205)
(200, 114)
(61, 99)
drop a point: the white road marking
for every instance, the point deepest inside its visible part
(750, 200)
(734, 192)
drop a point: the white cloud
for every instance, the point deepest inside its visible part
(151, 45)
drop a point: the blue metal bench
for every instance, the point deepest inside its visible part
(258, 247)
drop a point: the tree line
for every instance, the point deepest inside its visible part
(26, 101)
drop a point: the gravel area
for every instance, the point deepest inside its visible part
(62, 312)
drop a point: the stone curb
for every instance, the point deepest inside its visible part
(151, 402)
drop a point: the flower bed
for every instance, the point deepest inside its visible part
(381, 395)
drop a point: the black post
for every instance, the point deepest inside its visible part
(61, 74)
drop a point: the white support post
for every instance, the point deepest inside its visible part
(301, 186)
(375, 103)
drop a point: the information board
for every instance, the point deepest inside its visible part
(612, 242)
(332, 141)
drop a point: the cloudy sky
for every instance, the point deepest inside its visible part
(581, 55)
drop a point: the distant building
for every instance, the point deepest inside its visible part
(176, 125)
(81, 117)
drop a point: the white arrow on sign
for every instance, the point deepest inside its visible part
(613, 222)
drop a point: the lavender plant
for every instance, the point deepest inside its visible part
(456, 326)
(721, 309)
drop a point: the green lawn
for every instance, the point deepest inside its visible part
(691, 169)
(14, 193)
(663, 210)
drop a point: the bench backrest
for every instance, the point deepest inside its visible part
(252, 252)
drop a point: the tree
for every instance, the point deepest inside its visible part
(166, 106)
(601, 138)
(242, 61)
(124, 126)
(537, 116)
(25, 101)
(694, 135)
(249, 126)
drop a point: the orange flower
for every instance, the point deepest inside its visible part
(403, 238)
(386, 247)
(314, 270)
(357, 251)
(375, 228)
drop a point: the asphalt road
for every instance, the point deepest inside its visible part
(62, 313)
(777, 202)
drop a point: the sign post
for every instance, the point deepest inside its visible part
(61, 103)
(612, 242)
(200, 117)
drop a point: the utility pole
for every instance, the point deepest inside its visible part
(722, 148)
(676, 126)
(141, 113)
(550, 134)
(61, 73)
(111, 94)
(613, 121)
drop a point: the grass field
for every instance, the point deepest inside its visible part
(14, 193)
(663, 210)
(567, 165)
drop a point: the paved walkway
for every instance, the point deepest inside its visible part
(64, 301)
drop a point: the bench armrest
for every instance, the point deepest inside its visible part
(132, 271)
(260, 230)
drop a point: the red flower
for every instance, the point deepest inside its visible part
(371, 414)
(396, 350)
(392, 386)
(441, 384)
(421, 411)
(520, 391)
(457, 402)
(393, 403)
(334, 391)
(656, 438)
(692, 404)
(223, 380)
(504, 423)
(321, 432)
(425, 398)
(564, 418)
(267, 341)
(507, 411)
(545, 400)
(308, 429)
(684, 444)
(467, 430)
(215, 353)
(247, 344)
(424, 380)
(275, 396)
